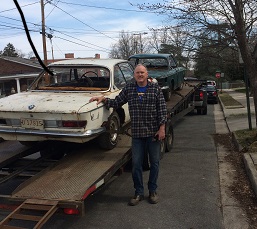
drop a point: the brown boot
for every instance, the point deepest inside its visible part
(153, 198)
(135, 200)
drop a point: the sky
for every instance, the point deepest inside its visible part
(82, 27)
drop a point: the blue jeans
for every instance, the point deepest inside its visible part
(139, 147)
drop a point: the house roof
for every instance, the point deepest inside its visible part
(24, 61)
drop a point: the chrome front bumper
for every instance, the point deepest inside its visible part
(71, 134)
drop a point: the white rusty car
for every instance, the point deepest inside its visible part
(56, 106)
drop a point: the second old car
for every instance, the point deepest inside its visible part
(212, 94)
(163, 68)
(57, 107)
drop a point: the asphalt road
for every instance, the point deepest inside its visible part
(189, 188)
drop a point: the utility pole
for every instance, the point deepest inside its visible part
(241, 61)
(140, 40)
(43, 32)
(50, 36)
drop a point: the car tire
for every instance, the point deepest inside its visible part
(167, 95)
(181, 86)
(204, 111)
(163, 148)
(109, 139)
(169, 137)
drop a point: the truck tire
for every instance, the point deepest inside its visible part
(180, 87)
(163, 148)
(109, 139)
(167, 95)
(204, 111)
(169, 137)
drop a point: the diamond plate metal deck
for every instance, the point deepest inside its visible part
(74, 174)
(10, 149)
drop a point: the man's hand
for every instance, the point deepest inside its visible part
(98, 99)
(161, 132)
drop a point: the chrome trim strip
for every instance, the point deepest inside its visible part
(165, 87)
(88, 133)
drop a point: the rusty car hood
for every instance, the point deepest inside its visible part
(47, 102)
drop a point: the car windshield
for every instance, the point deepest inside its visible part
(74, 79)
(151, 64)
(210, 88)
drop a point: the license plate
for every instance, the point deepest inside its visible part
(32, 123)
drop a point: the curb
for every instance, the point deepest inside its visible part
(251, 171)
(235, 142)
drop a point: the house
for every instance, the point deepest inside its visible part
(17, 73)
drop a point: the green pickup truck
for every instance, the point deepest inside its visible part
(163, 68)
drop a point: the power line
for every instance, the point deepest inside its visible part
(31, 30)
(14, 27)
(83, 22)
(84, 41)
(21, 6)
(77, 43)
(107, 8)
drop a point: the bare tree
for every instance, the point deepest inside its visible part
(159, 37)
(127, 45)
(233, 21)
(124, 47)
(176, 38)
(30, 55)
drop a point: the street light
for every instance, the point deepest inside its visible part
(140, 40)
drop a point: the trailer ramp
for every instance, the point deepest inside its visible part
(66, 184)
(33, 210)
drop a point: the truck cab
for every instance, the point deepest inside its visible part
(163, 68)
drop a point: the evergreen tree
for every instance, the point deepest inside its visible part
(9, 50)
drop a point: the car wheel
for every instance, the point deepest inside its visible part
(163, 148)
(167, 95)
(181, 86)
(204, 111)
(169, 138)
(109, 139)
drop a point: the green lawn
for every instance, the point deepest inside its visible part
(227, 100)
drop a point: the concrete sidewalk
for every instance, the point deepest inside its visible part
(237, 116)
(237, 119)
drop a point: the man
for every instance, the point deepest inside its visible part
(148, 113)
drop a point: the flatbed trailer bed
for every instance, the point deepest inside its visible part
(77, 175)
(181, 103)
(80, 173)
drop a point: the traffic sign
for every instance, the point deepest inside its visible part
(218, 74)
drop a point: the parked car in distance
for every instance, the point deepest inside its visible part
(199, 97)
(211, 82)
(212, 94)
(163, 68)
(56, 106)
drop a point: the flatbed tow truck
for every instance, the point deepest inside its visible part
(44, 185)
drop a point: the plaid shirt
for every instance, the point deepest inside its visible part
(146, 114)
